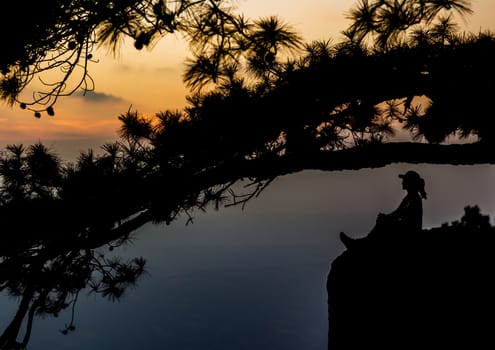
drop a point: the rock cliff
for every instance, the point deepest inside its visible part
(431, 290)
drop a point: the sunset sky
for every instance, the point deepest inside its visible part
(240, 278)
(150, 80)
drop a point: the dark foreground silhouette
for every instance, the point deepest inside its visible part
(47, 276)
(431, 290)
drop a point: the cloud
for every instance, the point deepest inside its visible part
(97, 97)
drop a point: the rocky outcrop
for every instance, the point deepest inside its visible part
(431, 290)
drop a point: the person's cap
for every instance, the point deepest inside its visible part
(411, 175)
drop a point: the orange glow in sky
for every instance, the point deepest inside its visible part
(151, 80)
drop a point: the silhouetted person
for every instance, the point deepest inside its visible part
(407, 217)
(409, 214)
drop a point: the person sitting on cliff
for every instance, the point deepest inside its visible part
(409, 214)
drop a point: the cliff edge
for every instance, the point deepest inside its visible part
(431, 290)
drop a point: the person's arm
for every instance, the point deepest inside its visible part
(402, 208)
(397, 213)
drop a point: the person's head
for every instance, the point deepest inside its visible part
(411, 181)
